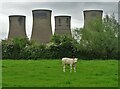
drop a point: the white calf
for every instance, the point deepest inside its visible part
(71, 62)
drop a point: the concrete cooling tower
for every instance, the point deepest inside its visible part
(63, 25)
(119, 12)
(90, 15)
(16, 26)
(42, 29)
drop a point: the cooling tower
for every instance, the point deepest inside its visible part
(90, 15)
(63, 25)
(42, 29)
(119, 12)
(17, 26)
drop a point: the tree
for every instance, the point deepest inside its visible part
(111, 27)
(100, 39)
(62, 46)
(13, 48)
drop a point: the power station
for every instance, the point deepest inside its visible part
(63, 25)
(17, 26)
(90, 15)
(42, 30)
(119, 13)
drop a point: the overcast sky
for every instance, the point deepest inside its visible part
(74, 9)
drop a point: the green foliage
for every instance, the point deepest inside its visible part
(13, 49)
(99, 39)
(21, 48)
(62, 46)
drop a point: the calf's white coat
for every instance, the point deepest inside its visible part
(71, 62)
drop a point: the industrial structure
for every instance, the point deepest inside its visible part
(42, 30)
(90, 15)
(17, 26)
(119, 13)
(63, 25)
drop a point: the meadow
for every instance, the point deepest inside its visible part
(48, 73)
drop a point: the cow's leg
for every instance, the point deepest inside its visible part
(70, 67)
(64, 68)
(74, 67)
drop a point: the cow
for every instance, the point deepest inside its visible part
(71, 61)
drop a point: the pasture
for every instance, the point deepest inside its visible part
(48, 73)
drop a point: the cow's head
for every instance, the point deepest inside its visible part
(75, 60)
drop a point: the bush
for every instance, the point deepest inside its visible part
(90, 47)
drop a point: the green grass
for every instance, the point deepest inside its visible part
(48, 73)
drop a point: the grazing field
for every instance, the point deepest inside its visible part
(48, 73)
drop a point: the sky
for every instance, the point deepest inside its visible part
(74, 8)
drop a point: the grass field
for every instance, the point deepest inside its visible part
(48, 73)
